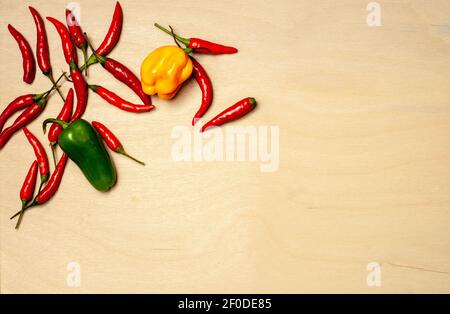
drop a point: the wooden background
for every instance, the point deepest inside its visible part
(364, 120)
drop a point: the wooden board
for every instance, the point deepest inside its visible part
(364, 148)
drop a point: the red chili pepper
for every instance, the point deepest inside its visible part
(238, 110)
(123, 74)
(119, 102)
(17, 104)
(27, 190)
(53, 184)
(68, 49)
(200, 46)
(24, 119)
(76, 34)
(50, 188)
(206, 87)
(81, 91)
(112, 141)
(42, 50)
(28, 63)
(113, 35)
(41, 155)
(64, 115)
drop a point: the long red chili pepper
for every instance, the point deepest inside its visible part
(42, 50)
(206, 87)
(68, 49)
(29, 101)
(236, 111)
(200, 46)
(41, 156)
(65, 114)
(24, 119)
(27, 190)
(28, 63)
(123, 74)
(81, 91)
(76, 34)
(112, 141)
(51, 187)
(113, 35)
(119, 102)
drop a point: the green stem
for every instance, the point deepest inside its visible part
(122, 151)
(52, 79)
(33, 203)
(53, 148)
(51, 120)
(22, 211)
(185, 41)
(84, 50)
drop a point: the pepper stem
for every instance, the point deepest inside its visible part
(84, 50)
(51, 120)
(185, 41)
(45, 94)
(53, 149)
(122, 151)
(24, 209)
(97, 57)
(52, 79)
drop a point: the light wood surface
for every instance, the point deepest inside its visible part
(364, 148)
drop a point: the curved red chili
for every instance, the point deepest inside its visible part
(41, 155)
(111, 140)
(64, 115)
(24, 119)
(238, 110)
(50, 188)
(28, 63)
(42, 51)
(53, 184)
(67, 46)
(27, 190)
(119, 102)
(17, 104)
(200, 46)
(29, 184)
(81, 91)
(76, 34)
(123, 74)
(205, 86)
(114, 31)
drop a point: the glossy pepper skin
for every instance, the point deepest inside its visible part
(82, 144)
(164, 71)
(28, 62)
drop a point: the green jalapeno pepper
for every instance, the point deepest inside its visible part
(82, 144)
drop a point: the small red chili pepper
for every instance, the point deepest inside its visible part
(68, 49)
(41, 156)
(111, 39)
(206, 87)
(64, 115)
(27, 190)
(50, 188)
(81, 91)
(119, 102)
(42, 50)
(200, 46)
(17, 104)
(29, 65)
(238, 110)
(24, 119)
(123, 74)
(76, 34)
(113, 35)
(112, 141)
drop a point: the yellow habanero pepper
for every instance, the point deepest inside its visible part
(164, 70)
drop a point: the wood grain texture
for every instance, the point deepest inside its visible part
(364, 119)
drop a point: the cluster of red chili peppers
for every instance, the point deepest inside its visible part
(73, 38)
